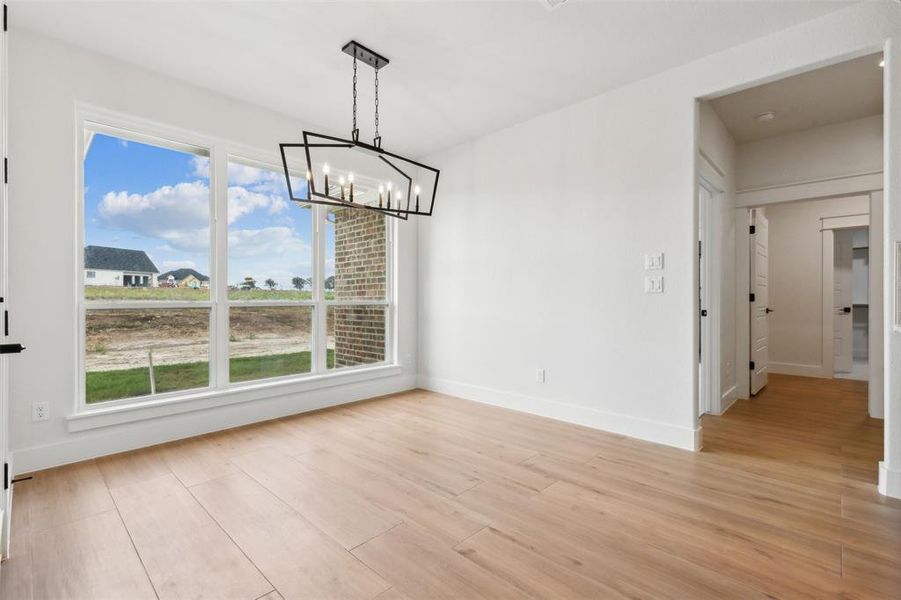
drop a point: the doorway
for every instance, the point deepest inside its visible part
(822, 317)
(851, 306)
(804, 293)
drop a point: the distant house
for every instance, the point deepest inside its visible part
(184, 278)
(118, 267)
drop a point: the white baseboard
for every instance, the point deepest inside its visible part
(889, 481)
(686, 438)
(801, 370)
(140, 434)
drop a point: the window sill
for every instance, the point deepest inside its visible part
(92, 418)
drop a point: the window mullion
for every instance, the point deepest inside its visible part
(219, 263)
(320, 330)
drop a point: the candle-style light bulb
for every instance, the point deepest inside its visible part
(341, 184)
(389, 194)
(400, 198)
(350, 179)
(325, 171)
(416, 190)
(381, 191)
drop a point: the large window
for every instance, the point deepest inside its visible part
(175, 301)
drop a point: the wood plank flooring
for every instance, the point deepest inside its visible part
(423, 496)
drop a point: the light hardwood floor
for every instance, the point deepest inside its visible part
(423, 496)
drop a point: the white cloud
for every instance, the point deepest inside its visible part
(268, 241)
(171, 265)
(270, 252)
(240, 175)
(242, 201)
(178, 214)
(201, 166)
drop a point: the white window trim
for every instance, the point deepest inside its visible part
(220, 391)
(115, 412)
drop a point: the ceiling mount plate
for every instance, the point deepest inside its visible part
(361, 52)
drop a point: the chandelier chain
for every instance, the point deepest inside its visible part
(376, 104)
(355, 96)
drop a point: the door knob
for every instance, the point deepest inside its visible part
(846, 309)
(769, 310)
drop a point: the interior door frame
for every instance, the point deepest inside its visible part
(709, 327)
(709, 391)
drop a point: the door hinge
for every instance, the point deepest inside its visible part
(4, 18)
(752, 297)
(751, 365)
(753, 229)
(5, 170)
(5, 322)
(5, 467)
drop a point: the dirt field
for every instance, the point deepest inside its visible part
(120, 339)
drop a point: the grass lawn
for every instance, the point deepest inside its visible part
(128, 383)
(181, 294)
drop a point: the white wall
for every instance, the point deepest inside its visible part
(837, 150)
(796, 286)
(717, 165)
(103, 277)
(46, 81)
(575, 198)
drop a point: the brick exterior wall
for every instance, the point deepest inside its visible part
(360, 264)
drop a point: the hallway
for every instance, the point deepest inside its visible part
(812, 442)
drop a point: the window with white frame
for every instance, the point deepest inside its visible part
(175, 301)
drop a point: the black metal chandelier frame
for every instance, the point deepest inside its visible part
(313, 140)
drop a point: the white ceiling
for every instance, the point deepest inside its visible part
(834, 94)
(458, 69)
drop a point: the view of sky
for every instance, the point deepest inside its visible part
(145, 197)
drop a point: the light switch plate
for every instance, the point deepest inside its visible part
(653, 261)
(653, 284)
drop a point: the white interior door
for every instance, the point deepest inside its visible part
(842, 301)
(5, 492)
(760, 310)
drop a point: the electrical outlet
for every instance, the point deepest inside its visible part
(40, 411)
(540, 375)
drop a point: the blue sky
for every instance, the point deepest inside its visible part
(156, 199)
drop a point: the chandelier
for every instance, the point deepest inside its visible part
(334, 171)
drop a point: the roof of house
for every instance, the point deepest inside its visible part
(118, 259)
(180, 274)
